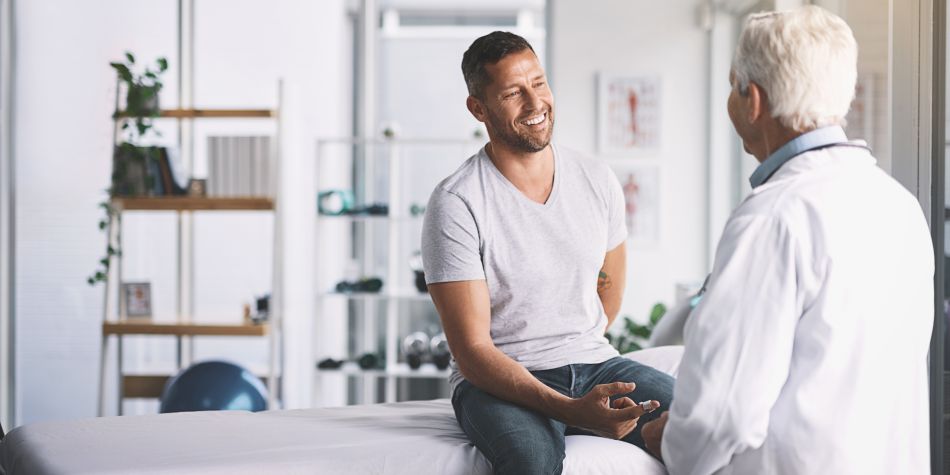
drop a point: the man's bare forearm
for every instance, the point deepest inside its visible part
(492, 371)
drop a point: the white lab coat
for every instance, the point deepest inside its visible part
(808, 353)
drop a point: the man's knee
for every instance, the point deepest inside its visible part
(516, 440)
(529, 456)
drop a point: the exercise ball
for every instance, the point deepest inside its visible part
(214, 386)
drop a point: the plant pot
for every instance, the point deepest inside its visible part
(141, 101)
(134, 170)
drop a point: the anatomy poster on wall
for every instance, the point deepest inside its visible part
(641, 194)
(628, 119)
(860, 118)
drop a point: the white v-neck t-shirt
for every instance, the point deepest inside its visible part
(540, 261)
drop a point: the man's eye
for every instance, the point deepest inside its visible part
(539, 84)
(512, 94)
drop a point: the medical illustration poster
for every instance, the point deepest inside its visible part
(860, 118)
(628, 119)
(641, 194)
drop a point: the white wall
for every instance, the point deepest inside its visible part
(648, 38)
(62, 131)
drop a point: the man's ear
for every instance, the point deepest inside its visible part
(758, 102)
(477, 109)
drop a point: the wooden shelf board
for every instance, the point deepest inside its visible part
(211, 113)
(192, 203)
(148, 327)
(149, 386)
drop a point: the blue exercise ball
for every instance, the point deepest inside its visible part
(214, 386)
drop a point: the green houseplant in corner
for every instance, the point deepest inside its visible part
(132, 160)
(634, 335)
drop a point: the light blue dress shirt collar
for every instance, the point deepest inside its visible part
(817, 138)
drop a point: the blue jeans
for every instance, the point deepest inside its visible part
(517, 440)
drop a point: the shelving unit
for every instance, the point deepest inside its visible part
(186, 327)
(399, 295)
(362, 233)
(400, 370)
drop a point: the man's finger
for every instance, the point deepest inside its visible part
(622, 402)
(627, 413)
(613, 389)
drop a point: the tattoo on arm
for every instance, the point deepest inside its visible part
(603, 282)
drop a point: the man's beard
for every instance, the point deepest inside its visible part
(519, 141)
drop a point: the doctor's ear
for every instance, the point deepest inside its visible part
(758, 102)
(476, 107)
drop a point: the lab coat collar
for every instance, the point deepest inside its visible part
(818, 138)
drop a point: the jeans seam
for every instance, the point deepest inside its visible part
(572, 379)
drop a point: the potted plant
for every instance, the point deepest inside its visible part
(134, 164)
(634, 335)
(141, 98)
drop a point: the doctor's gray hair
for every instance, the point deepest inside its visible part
(805, 60)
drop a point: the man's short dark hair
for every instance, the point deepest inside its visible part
(488, 49)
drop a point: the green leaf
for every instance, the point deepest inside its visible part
(149, 74)
(102, 224)
(641, 331)
(123, 71)
(657, 313)
(129, 57)
(162, 64)
(90, 281)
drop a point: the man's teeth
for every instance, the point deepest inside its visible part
(535, 120)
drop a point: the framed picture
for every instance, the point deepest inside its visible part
(628, 118)
(136, 299)
(641, 192)
(860, 118)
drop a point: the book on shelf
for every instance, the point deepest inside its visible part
(173, 176)
(240, 166)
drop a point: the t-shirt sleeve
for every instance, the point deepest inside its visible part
(616, 215)
(450, 244)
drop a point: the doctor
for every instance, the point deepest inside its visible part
(808, 352)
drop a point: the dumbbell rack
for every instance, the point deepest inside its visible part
(330, 304)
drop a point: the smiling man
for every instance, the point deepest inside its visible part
(524, 254)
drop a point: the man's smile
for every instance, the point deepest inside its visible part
(532, 121)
